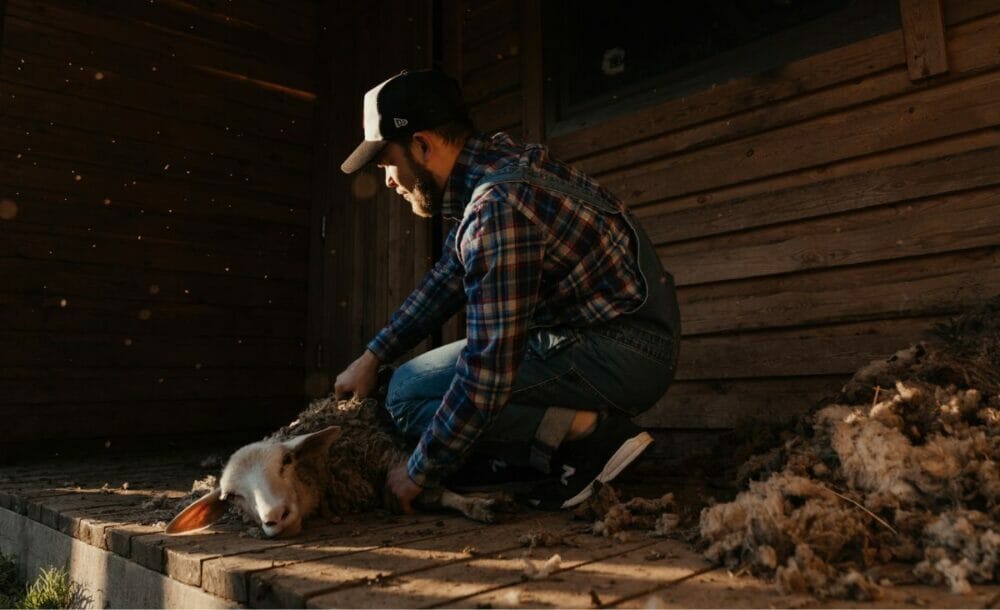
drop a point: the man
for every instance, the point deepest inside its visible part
(572, 325)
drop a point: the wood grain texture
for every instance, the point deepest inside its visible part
(923, 33)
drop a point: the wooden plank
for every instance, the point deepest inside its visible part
(321, 228)
(344, 109)
(148, 27)
(277, 21)
(99, 222)
(43, 279)
(923, 35)
(728, 589)
(935, 225)
(34, 138)
(841, 65)
(28, 68)
(532, 72)
(229, 574)
(935, 169)
(793, 352)
(138, 319)
(483, 18)
(151, 253)
(971, 46)
(928, 285)
(481, 52)
(816, 78)
(497, 565)
(27, 348)
(910, 119)
(452, 34)
(64, 109)
(598, 583)
(25, 385)
(332, 580)
(48, 180)
(958, 11)
(217, 35)
(498, 114)
(136, 63)
(157, 420)
(492, 80)
(721, 404)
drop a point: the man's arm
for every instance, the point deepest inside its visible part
(439, 295)
(502, 251)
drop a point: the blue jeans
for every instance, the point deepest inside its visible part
(623, 366)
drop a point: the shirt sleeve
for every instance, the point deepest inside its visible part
(502, 253)
(439, 295)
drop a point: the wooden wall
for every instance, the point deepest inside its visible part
(815, 217)
(156, 165)
(375, 250)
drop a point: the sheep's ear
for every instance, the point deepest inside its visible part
(314, 443)
(205, 511)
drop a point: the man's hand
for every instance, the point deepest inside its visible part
(400, 490)
(359, 378)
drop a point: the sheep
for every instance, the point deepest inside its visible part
(333, 459)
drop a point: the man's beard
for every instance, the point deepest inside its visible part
(425, 196)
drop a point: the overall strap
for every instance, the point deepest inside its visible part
(659, 302)
(548, 182)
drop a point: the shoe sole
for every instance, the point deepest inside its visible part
(626, 454)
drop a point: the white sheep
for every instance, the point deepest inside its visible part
(334, 459)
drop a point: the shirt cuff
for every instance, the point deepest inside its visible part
(385, 346)
(421, 471)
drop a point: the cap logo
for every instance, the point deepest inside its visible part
(400, 123)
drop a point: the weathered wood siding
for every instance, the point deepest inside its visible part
(823, 226)
(156, 164)
(375, 250)
(815, 217)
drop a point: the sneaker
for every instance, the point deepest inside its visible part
(600, 456)
(484, 473)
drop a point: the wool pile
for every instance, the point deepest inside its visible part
(901, 467)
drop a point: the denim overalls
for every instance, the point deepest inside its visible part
(624, 365)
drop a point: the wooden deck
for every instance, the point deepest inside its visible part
(370, 561)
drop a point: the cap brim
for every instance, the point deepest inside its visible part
(362, 155)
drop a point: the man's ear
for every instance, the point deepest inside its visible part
(423, 145)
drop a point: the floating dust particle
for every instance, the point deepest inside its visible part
(154, 289)
(364, 186)
(8, 209)
(145, 314)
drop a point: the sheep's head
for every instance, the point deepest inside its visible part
(276, 483)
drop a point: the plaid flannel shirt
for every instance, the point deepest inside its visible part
(520, 257)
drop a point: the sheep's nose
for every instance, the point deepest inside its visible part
(272, 519)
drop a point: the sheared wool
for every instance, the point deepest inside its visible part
(901, 467)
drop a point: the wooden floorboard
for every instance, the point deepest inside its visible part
(378, 560)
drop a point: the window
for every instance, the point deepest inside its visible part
(609, 58)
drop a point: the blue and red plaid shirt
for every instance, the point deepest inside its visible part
(520, 257)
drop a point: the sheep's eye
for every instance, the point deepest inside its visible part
(285, 461)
